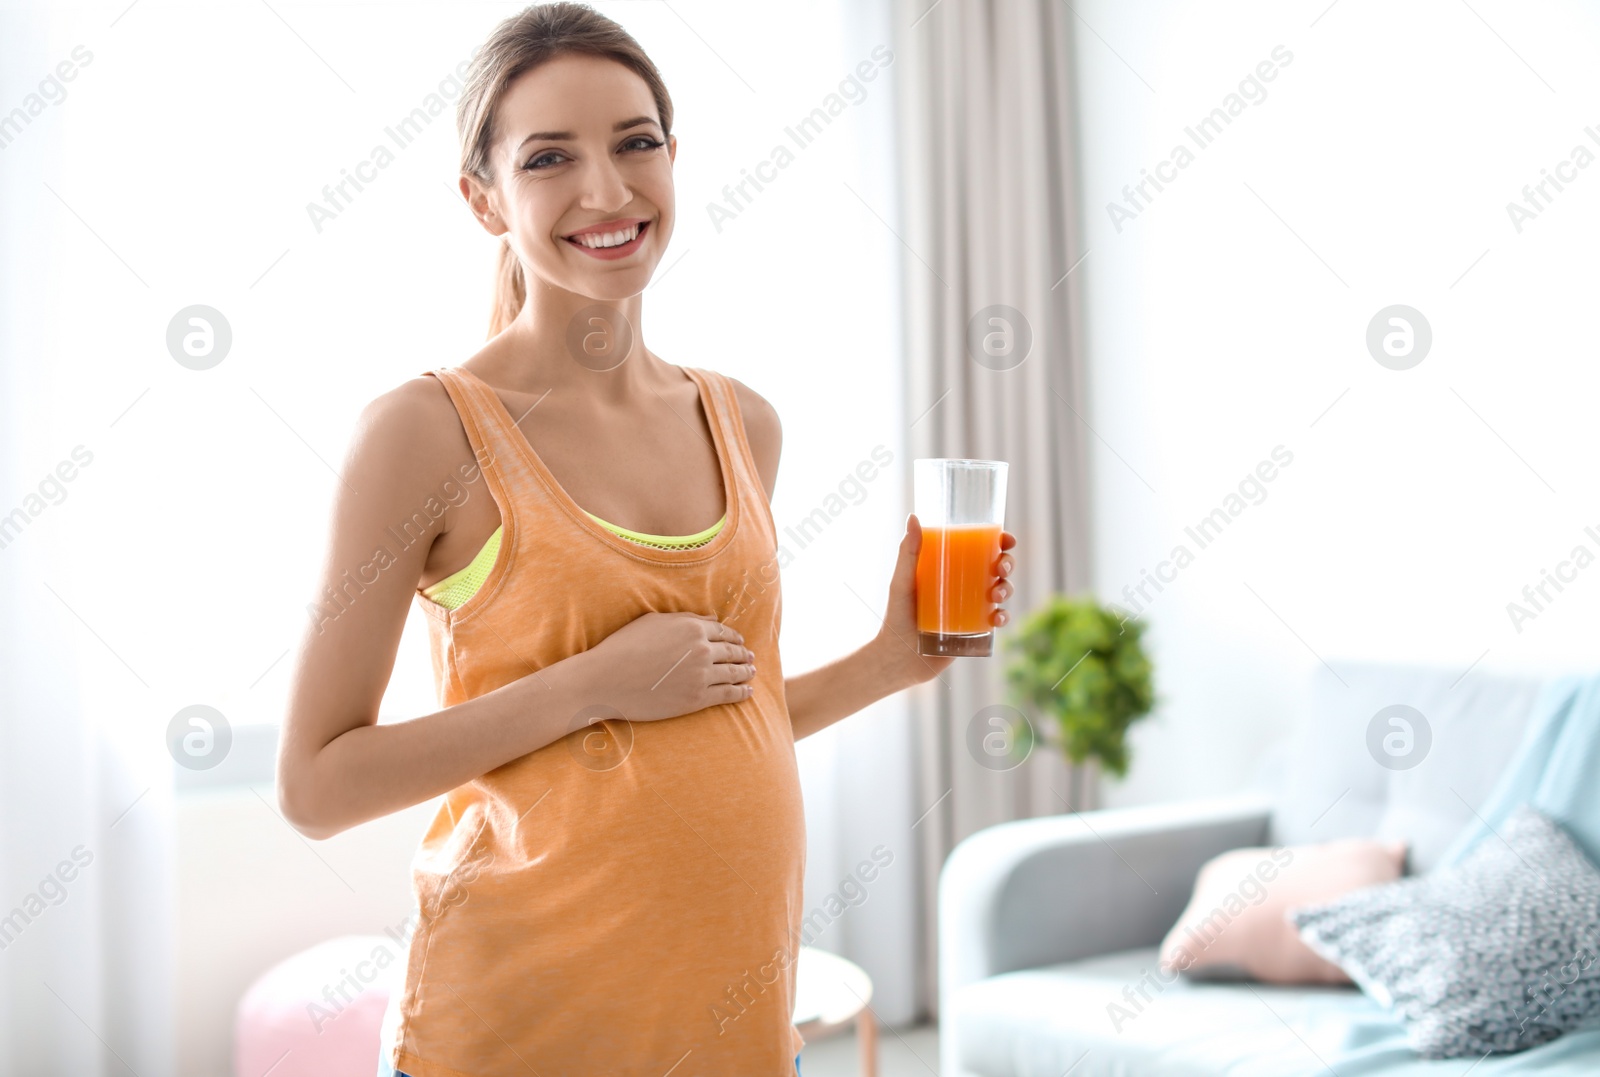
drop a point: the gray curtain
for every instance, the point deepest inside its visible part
(990, 219)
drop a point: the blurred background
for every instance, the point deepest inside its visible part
(161, 525)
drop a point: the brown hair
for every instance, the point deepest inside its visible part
(519, 44)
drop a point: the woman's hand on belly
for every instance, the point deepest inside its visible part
(662, 665)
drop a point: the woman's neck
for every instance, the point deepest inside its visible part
(564, 340)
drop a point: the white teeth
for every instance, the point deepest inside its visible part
(609, 239)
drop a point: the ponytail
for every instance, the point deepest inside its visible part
(510, 290)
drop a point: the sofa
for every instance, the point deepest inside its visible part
(1049, 928)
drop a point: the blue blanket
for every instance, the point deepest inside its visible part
(1556, 768)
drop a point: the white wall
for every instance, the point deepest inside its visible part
(251, 892)
(1229, 317)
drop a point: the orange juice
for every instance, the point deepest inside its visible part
(955, 573)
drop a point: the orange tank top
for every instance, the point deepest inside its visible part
(620, 902)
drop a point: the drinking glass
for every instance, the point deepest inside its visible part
(961, 507)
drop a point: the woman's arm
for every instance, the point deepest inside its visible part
(841, 688)
(890, 662)
(337, 767)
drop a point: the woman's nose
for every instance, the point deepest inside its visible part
(603, 185)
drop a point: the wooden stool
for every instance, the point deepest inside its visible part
(831, 994)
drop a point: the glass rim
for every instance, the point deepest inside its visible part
(961, 461)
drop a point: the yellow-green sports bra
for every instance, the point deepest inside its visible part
(457, 587)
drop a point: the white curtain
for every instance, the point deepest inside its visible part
(989, 182)
(86, 911)
(859, 775)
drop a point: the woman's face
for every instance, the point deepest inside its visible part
(577, 145)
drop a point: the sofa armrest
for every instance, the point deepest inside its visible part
(1042, 891)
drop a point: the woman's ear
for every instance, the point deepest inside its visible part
(481, 202)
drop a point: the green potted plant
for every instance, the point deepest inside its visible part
(1080, 662)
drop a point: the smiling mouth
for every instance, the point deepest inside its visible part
(623, 239)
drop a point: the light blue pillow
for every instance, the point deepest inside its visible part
(1497, 953)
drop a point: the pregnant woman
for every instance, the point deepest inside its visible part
(612, 884)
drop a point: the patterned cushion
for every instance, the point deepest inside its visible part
(1497, 953)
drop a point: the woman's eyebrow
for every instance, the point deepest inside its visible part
(563, 136)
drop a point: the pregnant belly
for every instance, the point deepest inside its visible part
(647, 893)
(634, 817)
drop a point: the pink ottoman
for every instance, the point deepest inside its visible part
(319, 1012)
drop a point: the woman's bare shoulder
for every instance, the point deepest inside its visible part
(417, 411)
(412, 428)
(416, 398)
(761, 429)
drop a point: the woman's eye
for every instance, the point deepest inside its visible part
(641, 142)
